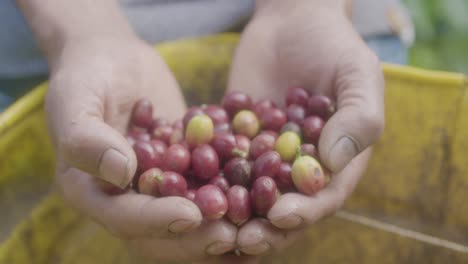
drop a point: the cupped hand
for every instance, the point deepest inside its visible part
(93, 86)
(311, 44)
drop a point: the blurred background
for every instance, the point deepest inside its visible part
(441, 34)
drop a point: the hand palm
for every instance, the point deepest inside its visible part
(90, 97)
(325, 57)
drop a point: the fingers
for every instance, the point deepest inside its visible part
(129, 215)
(293, 209)
(93, 146)
(82, 138)
(208, 243)
(359, 119)
(259, 237)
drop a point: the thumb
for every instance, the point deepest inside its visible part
(93, 146)
(83, 139)
(359, 120)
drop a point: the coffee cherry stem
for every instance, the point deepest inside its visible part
(239, 153)
(298, 153)
(159, 177)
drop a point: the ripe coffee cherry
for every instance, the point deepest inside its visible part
(283, 177)
(205, 162)
(246, 123)
(321, 106)
(221, 182)
(238, 172)
(273, 119)
(148, 182)
(211, 201)
(172, 184)
(239, 208)
(297, 95)
(160, 149)
(263, 105)
(295, 113)
(225, 145)
(235, 101)
(142, 115)
(146, 156)
(157, 183)
(307, 175)
(309, 150)
(260, 144)
(163, 133)
(263, 194)
(312, 128)
(267, 164)
(216, 113)
(177, 159)
(199, 131)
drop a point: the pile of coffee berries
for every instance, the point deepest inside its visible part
(235, 159)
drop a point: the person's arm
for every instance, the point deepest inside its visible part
(56, 22)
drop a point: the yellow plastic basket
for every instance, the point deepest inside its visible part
(409, 207)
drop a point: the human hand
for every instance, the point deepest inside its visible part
(99, 69)
(311, 44)
(93, 86)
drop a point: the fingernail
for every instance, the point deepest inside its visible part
(180, 226)
(218, 248)
(256, 249)
(342, 153)
(288, 221)
(114, 168)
